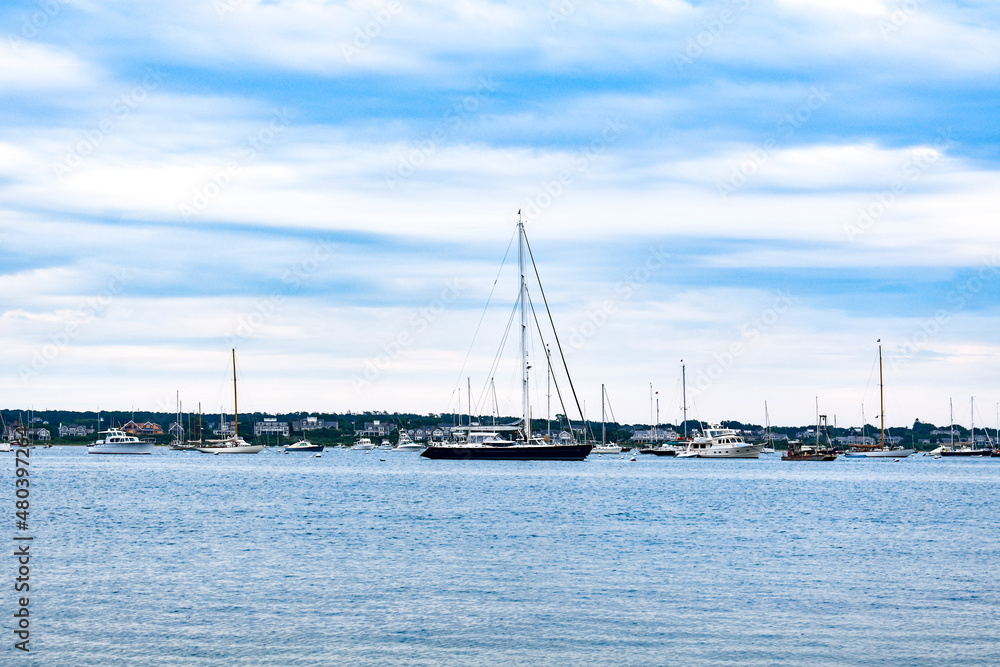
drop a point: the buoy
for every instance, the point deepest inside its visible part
(319, 455)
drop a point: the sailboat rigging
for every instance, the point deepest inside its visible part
(234, 444)
(881, 450)
(488, 442)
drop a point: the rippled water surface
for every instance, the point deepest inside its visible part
(269, 559)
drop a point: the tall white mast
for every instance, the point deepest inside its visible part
(951, 416)
(684, 398)
(523, 299)
(881, 399)
(604, 424)
(972, 415)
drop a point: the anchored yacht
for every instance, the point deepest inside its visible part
(721, 443)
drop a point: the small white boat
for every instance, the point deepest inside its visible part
(406, 444)
(364, 444)
(117, 441)
(303, 446)
(606, 449)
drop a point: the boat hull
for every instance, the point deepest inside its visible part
(606, 450)
(969, 452)
(408, 448)
(121, 448)
(307, 448)
(809, 457)
(512, 453)
(239, 449)
(879, 454)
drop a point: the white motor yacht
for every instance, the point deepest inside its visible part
(721, 443)
(364, 443)
(406, 444)
(117, 441)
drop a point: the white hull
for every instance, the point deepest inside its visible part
(721, 443)
(409, 448)
(4, 446)
(364, 447)
(607, 449)
(880, 454)
(121, 448)
(743, 452)
(234, 449)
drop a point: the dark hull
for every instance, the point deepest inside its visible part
(810, 457)
(974, 452)
(512, 453)
(660, 452)
(311, 448)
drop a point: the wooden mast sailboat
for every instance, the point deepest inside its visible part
(881, 450)
(235, 444)
(487, 444)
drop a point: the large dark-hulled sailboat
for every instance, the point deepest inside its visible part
(492, 443)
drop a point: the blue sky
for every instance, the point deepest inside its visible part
(819, 174)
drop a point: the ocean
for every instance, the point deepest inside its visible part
(348, 559)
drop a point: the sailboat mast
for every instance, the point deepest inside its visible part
(881, 398)
(468, 381)
(972, 417)
(684, 398)
(236, 409)
(951, 416)
(817, 422)
(522, 302)
(604, 424)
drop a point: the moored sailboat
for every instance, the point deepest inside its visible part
(881, 450)
(486, 443)
(234, 444)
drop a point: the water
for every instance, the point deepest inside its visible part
(189, 559)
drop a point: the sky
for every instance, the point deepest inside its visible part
(758, 192)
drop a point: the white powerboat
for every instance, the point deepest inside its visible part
(363, 444)
(721, 443)
(303, 446)
(406, 444)
(117, 441)
(606, 449)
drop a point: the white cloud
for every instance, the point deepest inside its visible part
(27, 66)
